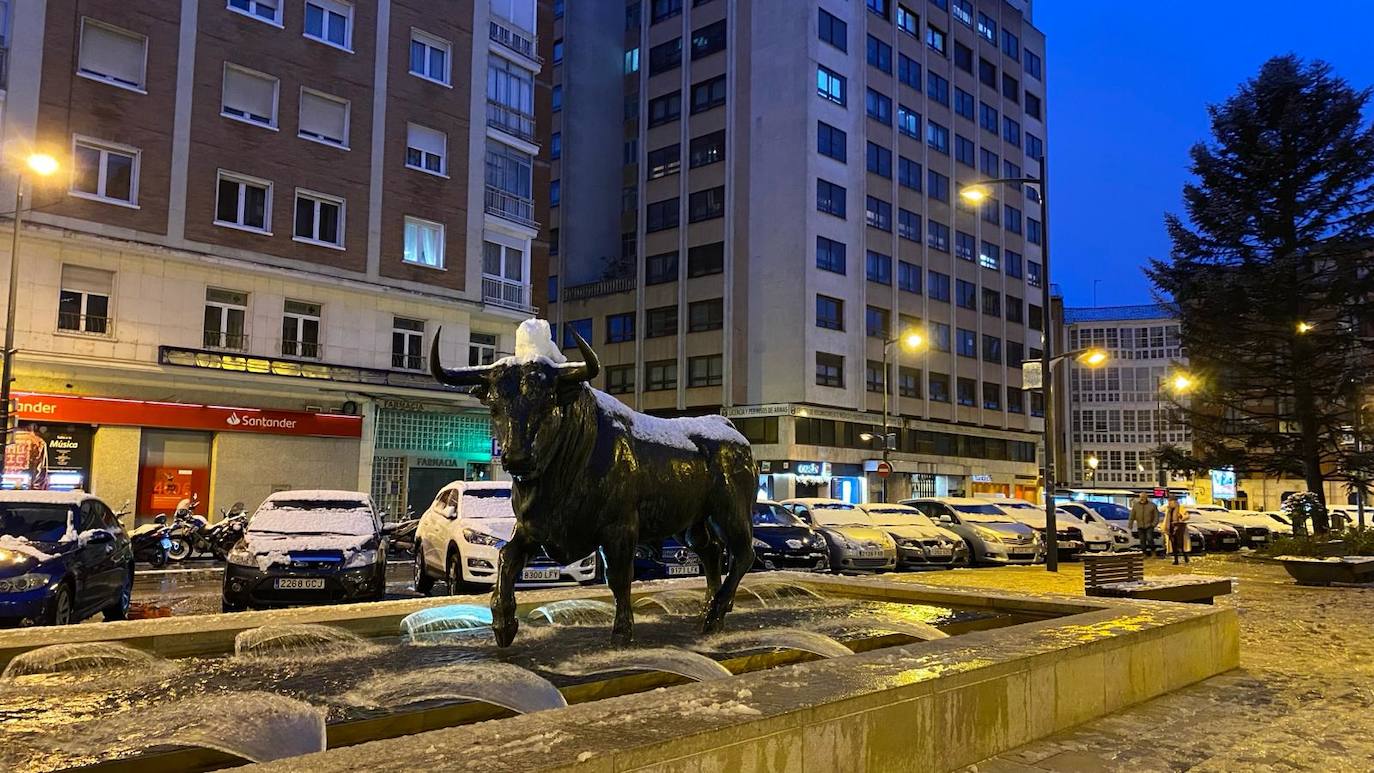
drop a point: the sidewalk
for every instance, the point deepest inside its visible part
(1303, 698)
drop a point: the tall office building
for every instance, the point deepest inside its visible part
(263, 213)
(749, 198)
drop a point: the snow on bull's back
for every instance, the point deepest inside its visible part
(679, 433)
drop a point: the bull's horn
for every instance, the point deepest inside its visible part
(458, 377)
(590, 364)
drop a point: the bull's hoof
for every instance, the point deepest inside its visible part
(622, 637)
(712, 624)
(505, 632)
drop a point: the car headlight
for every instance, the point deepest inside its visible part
(817, 541)
(362, 558)
(24, 582)
(241, 556)
(989, 535)
(643, 553)
(758, 543)
(482, 538)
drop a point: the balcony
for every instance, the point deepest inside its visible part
(598, 289)
(234, 342)
(502, 33)
(516, 123)
(505, 293)
(515, 208)
(403, 361)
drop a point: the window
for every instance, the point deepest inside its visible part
(249, 96)
(481, 348)
(992, 212)
(705, 371)
(1033, 231)
(104, 171)
(226, 313)
(1011, 219)
(879, 160)
(556, 98)
(987, 28)
(937, 185)
(708, 40)
(879, 7)
(706, 205)
(992, 302)
(556, 145)
(243, 202)
(620, 379)
(963, 150)
(967, 391)
(937, 88)
(1011, 131)
(633, 16)
(1015, 308)
(1013, 172)
(833, 31)
(1011, 46)
(555, 192)
(963, 11)
(875, 380)
(992, 349)
(939, 383)
(664, 161)
(1033, 66)
(324, 118)
(830, 255)
(661, 215)
(963, 103)
(83, 302)
(429, 57)
(1035, 318)
(267, 10)
(879, 55)
(1013, 264)
(988, 162)
(1011, 88)
(660, 268)
(665, 108)
(1032, 105)
(665, 9)
(829, 312)
(1035, 148)
(708, 94)
(660, 375)
(908, 122)
(992, 396)
(1033, 273)
(829, 370)
(1016, 354)
(878, 213)
(329, 21)
(424, 243)
(908, 225)
(963, 245)
(1016, 400)
(939, 337)
(966, 342)
(909, 382)
(707, 149)
(879, 268)
(300, 330)
(907, 21)
(987, 117)
(830, 85)
(908, 277)
(620, 327)
(830, 141)
(660, 322)
(706, 259)
(935, 38)
(878, 107)
(705, 315)
(937, 236)
(987, 73)
(112, 55)
(319, 219)
(830, 198)
(966, 294)
(963, 57)
(909, 71)
(632, 61)
(909, 174)
(665, 57)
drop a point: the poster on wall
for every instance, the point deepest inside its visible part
(1223, 484)
(54, 457)
(170, 485)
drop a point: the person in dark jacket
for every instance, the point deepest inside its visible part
(1144, 519)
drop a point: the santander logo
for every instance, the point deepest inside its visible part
(233, 420)
(259, 422)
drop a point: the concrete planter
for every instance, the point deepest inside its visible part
(1312, 572)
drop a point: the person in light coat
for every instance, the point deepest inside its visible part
(1176, 528)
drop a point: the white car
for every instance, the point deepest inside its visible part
(1108, 515)
(1075, 535)
(1254, 530)
(460, 537)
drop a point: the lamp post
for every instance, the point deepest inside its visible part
(913, 341)
(41, 165)
(1177, 384)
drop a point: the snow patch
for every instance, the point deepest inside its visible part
(1330, 559)
(680, 433)
(1170, 581)
(24, 547)
(533, 342)
(707, 708)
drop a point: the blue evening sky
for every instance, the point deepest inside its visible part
(1129, 83)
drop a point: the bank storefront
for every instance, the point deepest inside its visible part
(421, 447)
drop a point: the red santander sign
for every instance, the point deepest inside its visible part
(74, 409)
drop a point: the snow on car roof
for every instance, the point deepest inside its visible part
(317, 495)
(46, 497)
(894, 507)
(469, 485)
(953, 500)
(816, 502)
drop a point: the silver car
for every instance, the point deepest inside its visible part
(993, 537)
(855, 541)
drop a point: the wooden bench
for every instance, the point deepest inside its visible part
(1106, 574)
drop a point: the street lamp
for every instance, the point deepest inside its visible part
(911, 340)
(41, 165)
(1305, 327)
(977, 193)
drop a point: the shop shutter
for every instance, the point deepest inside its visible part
(111, 53)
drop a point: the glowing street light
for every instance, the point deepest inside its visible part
(42, 164)
(1093, 358)
(1181, 383)
(1305, 327)
(974, 194)
(913, 341)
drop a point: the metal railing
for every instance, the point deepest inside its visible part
(68, 322)
(309, 350)
(407, 361)
(521, 44)
(598, 289)
(504, 292)
(510, 206)
(510, 120)
(215, 339)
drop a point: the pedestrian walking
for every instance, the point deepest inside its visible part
(1176, 527)
(1144, 518)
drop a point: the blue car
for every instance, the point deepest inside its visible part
(63, 557)
(670, 559)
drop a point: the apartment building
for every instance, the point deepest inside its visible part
(748, 199)
(265, 210)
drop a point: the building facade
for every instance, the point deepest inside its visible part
(265, 210)
(749, 199)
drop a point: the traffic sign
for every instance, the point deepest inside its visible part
(884, 469)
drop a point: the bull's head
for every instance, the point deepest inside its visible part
(529, 401)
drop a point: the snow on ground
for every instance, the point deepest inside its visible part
(1165, 581)
(1330, 559)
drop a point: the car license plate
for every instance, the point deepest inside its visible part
(299, 583)
(541, 574)
(1021, 552)
(1228, 540)
(674, 571)
(871, 553)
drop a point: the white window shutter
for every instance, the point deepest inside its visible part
(426, 139)
(250, 93)
(111, 53)
(323, 117)
(87, 280)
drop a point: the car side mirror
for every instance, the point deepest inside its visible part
(451, 512)
(99, 537)
(944, 518)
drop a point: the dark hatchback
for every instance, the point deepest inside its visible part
(63, 558)
(308, 547)
(669, 559)
(784, 541)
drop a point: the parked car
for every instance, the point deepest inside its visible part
(783, 541)
(1254, 530)
(1216, 536)
(1108, 515)
(460, 536)
(669, 558)
(920, 542)
(1074, 535)
(1279, 522)
(308, 547)
(853, 540)
(63, 557)
(992, 535)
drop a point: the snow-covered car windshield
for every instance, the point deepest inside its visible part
(982, 514)
(899, 516)
(314, 516)
(34, 522)
(773, 515)
(840, 515)
(487, 503)
(1109, 510)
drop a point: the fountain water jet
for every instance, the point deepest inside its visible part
(671, 660)
(500, 684)
(443, 622)
(777, 638)
(674, 602)
(574, 612)
(79, 658)
(296, 639)
(775, 590)
(912, 628)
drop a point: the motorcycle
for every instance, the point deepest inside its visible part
(185, 530)
(193, 534)
(219, 538)
(152, 542)
(402, 533)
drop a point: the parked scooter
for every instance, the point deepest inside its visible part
(402, 534)
(151, 542)
(220, 537)
(185, 530)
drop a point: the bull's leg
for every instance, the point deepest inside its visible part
(619, 555)
(709, 550)
(503, 620)
(737, 531)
